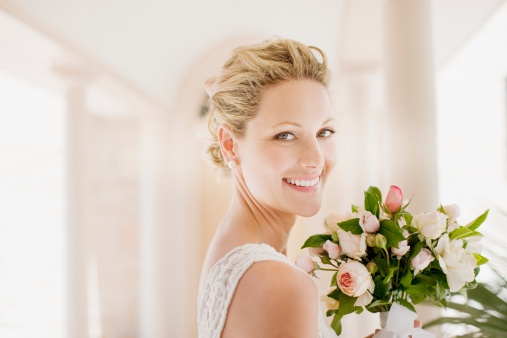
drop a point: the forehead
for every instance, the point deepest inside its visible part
(294, 101)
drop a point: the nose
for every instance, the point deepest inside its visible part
(311, 154)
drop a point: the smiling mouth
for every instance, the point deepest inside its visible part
(303, 183)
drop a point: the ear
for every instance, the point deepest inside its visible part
(228, 144)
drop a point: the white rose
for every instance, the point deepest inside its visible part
(473, 245)
(353, 246)
(452, 210)
(334, 218)
(430, 224)
(456, 263)
(369, 222)
(353, 279)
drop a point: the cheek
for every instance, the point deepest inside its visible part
(330, 153)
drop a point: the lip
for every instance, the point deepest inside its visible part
(304, 189)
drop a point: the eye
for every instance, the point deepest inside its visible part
(285, 136)
(326, 132)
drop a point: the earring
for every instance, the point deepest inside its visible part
(232, 164)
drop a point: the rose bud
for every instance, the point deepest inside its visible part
(305, 263)
(370, 240)
(380, 241)
(369, 222)
(372, 267)
(332, 249)
(402, 249)
(394, 199)
(422, 260)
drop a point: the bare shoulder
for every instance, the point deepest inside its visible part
(273, 299)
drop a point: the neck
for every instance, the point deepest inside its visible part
(251, 222)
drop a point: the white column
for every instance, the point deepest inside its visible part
(76, 80)
(157, 319)
(410, 107)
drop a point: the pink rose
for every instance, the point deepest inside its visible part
(403, 248)
(394, 199)
(353, 279)
(422, 260)
(369, 222)
(305, 263)
(332, 249)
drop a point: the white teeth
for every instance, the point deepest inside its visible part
(303, 183)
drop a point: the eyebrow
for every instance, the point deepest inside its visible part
(298, 125)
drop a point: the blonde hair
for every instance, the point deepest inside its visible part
(247, 73)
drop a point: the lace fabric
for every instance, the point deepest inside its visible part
(221, 284)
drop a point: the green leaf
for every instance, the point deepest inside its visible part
(351, 225)
(325, 260)
(383, 301)
(333, 280)
(424, 280)
(392, 232)
(463, 232)
(355, 208)
(381, 288)
(439, 291)
(382, 265)
(336, 324)
(375, 192)
(335, 294)
(330, 312)
(316, 241)
(478, 221)
(416, 299)
(406, 278)
(441, 209)
(416, 290)
(392, 270)
(415, 251)
(371, 203)
(346, 306)
(480, 259)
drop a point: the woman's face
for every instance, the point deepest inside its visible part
(288, 149)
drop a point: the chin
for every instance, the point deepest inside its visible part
(308, 210)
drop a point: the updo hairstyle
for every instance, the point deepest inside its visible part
(250, 70)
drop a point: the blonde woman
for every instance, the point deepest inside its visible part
(272, 132)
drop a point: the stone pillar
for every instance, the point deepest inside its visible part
(76, 79)
(410, 108)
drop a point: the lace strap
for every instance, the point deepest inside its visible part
(222, 282)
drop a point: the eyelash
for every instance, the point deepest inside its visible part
(279, 136)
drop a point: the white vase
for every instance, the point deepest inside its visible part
(383, 318)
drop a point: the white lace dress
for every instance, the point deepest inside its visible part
(221, 284)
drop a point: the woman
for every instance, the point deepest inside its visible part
(272, 127)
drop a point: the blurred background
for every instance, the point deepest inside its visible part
(107, 205)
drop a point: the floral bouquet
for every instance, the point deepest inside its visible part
(388, 260)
